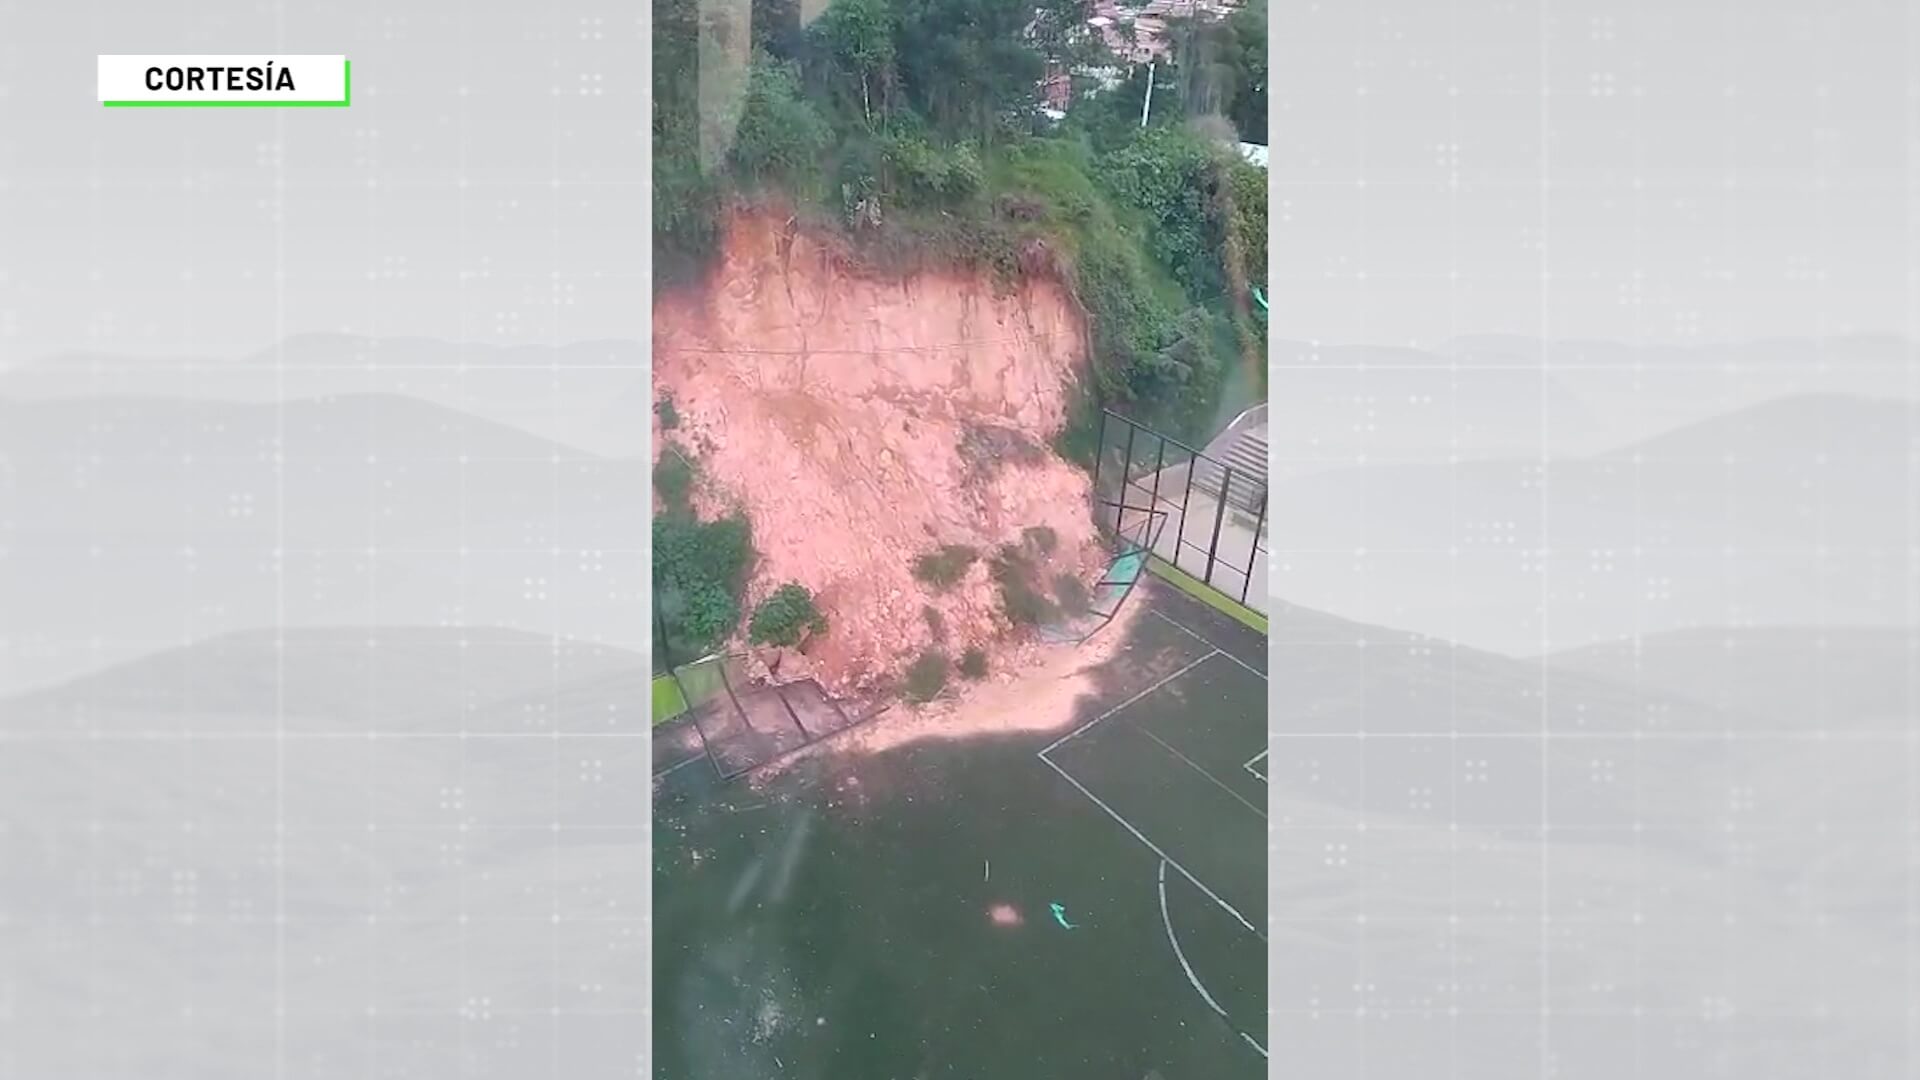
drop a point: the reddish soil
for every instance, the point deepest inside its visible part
(861, 423)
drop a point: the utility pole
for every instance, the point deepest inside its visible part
(1146, 106)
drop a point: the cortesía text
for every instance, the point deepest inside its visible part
(220, 78)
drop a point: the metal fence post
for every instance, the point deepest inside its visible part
(1219, 514)
(1255, 556)
(1186, 500)
(1100, 451)
(1159, 464)
(1126, 478)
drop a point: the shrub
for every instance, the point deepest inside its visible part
(699, 569)
(936, 625)
(780, 134)
(973, 664)
(669, 416)
(930, 175)
(927, 676)
(1071, 594)
(786, 617)
(673, 479)
(687, 551)
(942, 568)
(1040, 538)
(1024, 604)
(701, 613)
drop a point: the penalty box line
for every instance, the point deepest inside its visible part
(1151, 846)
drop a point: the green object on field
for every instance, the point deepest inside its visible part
(1211, 597)
(667, 701)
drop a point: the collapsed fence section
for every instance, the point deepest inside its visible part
(744, 722)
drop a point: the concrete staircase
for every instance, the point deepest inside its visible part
(1245, 451)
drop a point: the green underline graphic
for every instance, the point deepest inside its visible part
(346, 99)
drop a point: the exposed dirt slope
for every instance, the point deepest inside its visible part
(862, 423)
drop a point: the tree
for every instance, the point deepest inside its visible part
(1169, 173)
(1248, 110)
(858, 36)
(963, 63)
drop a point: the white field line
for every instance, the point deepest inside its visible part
(1167, 921)
(1211, 779)
(1076, 732)
(1177, 626)
(1155, 848)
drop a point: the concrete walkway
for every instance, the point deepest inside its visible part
(1243, 528)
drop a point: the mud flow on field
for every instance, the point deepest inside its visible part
(862, 423)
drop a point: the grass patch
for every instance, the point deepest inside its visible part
(946, 566)
(927, 676)
(668, 702)
(1207, 595)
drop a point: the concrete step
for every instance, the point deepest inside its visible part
(1247, 457)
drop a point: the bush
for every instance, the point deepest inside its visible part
(927, 676)
(1170, 174)
(686, 551)
(701, 613)
(973, 664)
(786, 617)
(699, 570)
(1040, 538)
(936, 624)
(942, 568)
(673, 479)
(669, 416)
(780, 135)
(1071, 594)
(928, 175)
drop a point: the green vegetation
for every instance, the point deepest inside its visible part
(669, 416)
(786, 617)
(668, 702)
(973, 664)
(1071, 594)
(673, 479)
(1193, 587)
(943, 568)
(927, 676)
(699, 571)
(936, 623)
(911, 127)
(1013, 571)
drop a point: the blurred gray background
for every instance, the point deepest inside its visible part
(1594, 410)
(322, 519)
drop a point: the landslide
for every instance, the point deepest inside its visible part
(862, 422)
